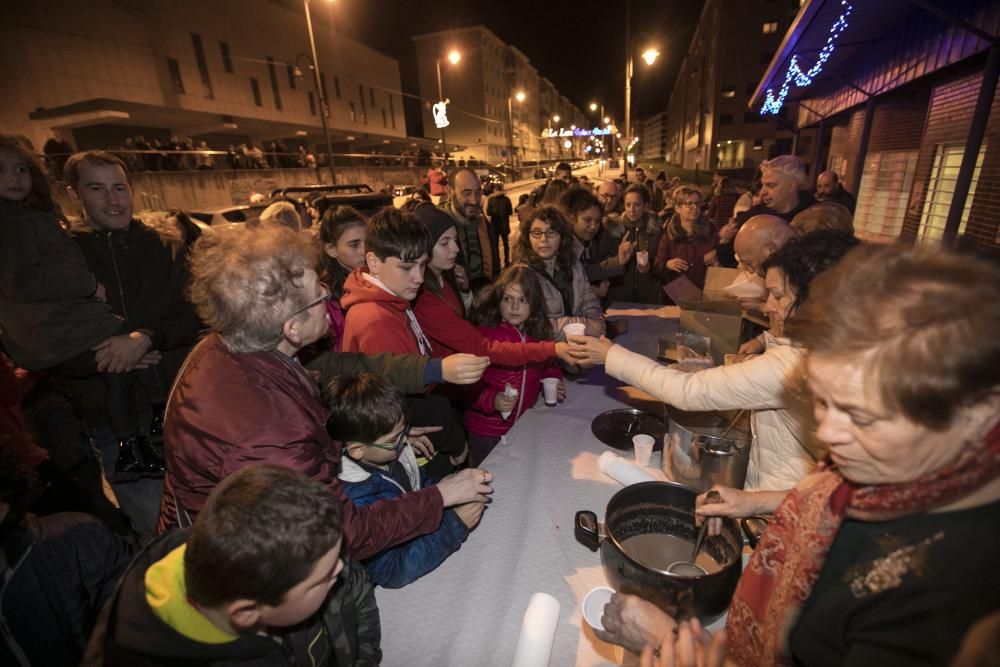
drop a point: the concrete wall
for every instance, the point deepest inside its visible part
(193, 190)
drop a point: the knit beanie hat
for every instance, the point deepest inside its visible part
(436, 220)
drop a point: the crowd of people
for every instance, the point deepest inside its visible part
(293, 413)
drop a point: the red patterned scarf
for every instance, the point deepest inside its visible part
(787, 561)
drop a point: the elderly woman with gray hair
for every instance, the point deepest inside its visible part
(242, 397)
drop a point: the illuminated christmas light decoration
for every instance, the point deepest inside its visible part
(772, 104)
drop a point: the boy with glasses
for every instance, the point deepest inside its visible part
(367, 414)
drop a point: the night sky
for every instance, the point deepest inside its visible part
(579, 46)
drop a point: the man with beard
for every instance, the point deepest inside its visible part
(480, 256)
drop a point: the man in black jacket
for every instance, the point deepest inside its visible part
(499, 209)
(144, 277)
(783, 194)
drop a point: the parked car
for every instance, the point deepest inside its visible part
(321, 197)
(226, 214)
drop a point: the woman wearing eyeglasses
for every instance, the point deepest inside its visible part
(546, 245)
(689, 239)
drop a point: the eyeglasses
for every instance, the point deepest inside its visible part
(397, 446)
(548, 233)
(690, 204)
(325, 297)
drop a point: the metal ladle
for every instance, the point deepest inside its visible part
(688, 568)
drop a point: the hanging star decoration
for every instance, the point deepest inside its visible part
(795, 74)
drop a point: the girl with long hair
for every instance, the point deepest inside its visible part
(514, 311)
(342, 239)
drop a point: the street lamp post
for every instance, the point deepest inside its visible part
(649, 55)
(323, 104)
(453, 58)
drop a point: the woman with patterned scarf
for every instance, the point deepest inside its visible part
(888, 554)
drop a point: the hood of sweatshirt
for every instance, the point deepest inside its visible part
(357, 289)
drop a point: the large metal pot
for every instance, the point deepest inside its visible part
(663, 508)
(696, 454)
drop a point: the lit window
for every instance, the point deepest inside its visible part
(883, 195)
(729, 92)
(769, 27)
(944, 173)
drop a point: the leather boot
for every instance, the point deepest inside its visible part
(153, 465)
(129, 466)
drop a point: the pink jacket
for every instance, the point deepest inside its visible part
(481, 418)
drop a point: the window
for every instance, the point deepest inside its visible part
(322, 87)
(392, 112)
(175, 75)
(354, 113)
(336, 87)
(765, 57)
(758, 144)
(291, 75)
(883, 195)
(941, 188)
(371, 96)
(227, 61)
(312, 103)
(273, 74)
(726, 119)
(769, 27)
(199, 54)
(728, 92)
(751, 87)
(385, 119)
(255, 89)
(751, 117)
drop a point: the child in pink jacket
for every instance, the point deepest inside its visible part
(514, 310)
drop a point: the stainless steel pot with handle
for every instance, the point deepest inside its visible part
(696, 453)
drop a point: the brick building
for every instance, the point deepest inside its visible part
(903, 94)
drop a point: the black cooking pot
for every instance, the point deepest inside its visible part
(665, 508)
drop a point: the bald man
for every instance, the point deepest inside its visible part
(829, 188)
(759, 238)
(610, 195)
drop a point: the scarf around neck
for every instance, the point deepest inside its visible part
(787, 562)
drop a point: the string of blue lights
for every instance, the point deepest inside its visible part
(772, 104)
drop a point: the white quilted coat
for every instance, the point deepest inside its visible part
(772, 385)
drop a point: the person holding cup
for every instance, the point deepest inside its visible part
(513, 311)
(687, 246)
(546, 246)
(643, 229)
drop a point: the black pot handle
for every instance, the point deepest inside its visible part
(586, 530)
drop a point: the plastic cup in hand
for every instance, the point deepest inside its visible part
(642, 258)
(550, 387)
(575, 329)
(593, 605)
(512, 393)
(643, 445)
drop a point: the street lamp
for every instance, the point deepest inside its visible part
(607, 121)
(323, 105)
(649, 55)
(453, 57)
(520, 97)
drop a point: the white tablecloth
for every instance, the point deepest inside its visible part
(468, 611)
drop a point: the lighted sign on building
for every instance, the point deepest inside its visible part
(551, 132)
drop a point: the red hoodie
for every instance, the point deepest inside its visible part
(376, 319)
(449, 333)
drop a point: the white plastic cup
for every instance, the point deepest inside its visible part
(575, 329)
(550, 387)
(593, 605)
(643, 445)
(509, 392)
(642, 258)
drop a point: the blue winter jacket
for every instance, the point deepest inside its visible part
(406, 562)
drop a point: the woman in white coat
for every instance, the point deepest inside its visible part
(771, 385)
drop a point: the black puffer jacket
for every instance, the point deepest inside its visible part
(146, 278)
(129, 633)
